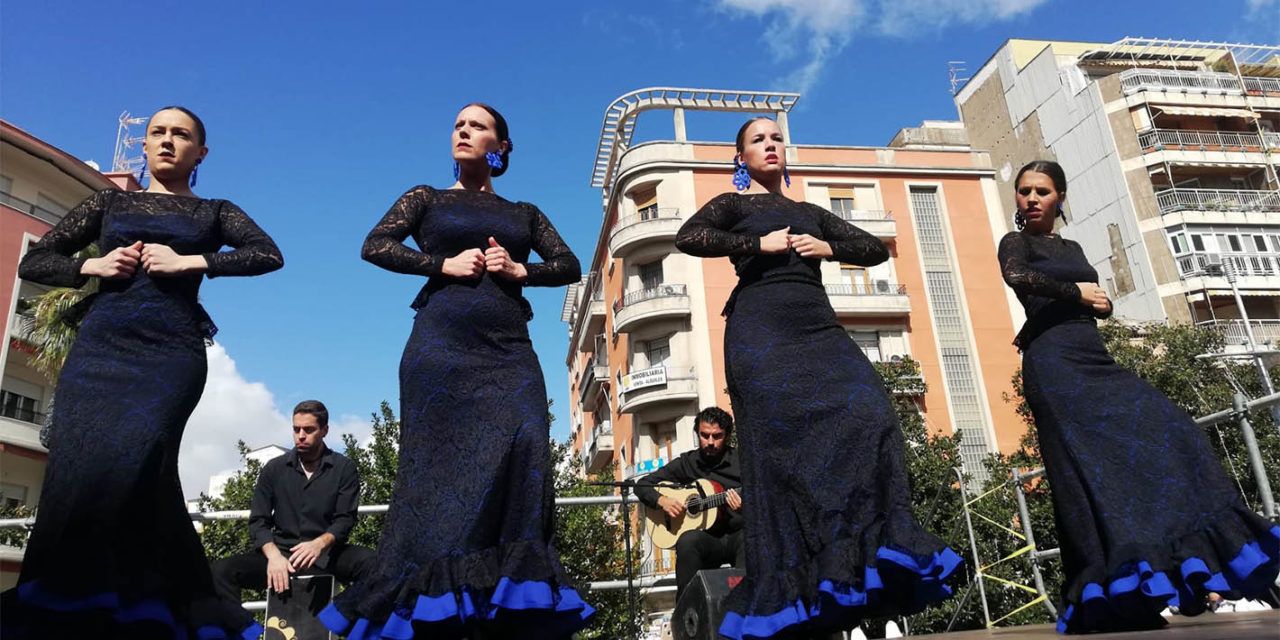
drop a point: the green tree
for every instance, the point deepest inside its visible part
(376, 462)
(44, 326)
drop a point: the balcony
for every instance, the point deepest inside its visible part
(1204, 82)
(28, 208)
(660, 385)
(1233, 332)
(634, 231)
(1262, 86)
(878, 223)
(1233, 200)
(881, 298)
(652, 303)
(594, 374)
(591, 320)
(1264, 265)
(598, 452)
(1216, 142)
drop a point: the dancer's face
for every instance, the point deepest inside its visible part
(711, 439)
(1038, 200)
(308, 435)
(172, 144)
(764, 151)
(474, 134)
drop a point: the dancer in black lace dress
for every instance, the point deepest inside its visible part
(466, 548)
(113, 553)
(830, 537)
(1146, 516)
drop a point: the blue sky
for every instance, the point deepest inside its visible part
(321, 113)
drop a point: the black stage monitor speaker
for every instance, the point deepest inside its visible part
(292, 615)
(701, 607)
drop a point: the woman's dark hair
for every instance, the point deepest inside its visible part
(1048, 168)
(504, 134)
(742, 132)
(716, 416)
(190, 114)
(313, 408)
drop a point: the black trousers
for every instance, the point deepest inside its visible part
(346, 563)
(698, 550)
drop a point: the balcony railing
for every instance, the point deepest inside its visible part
(649, 293)
(1174, 200)
(865, 215)
(27, 207)
(1271, 139)
(1135, 80)
(669, 213)
(1190, 140)
(24, 415)
(1233, 332)
(879, 288)
(1261, 86)
(1243, 264)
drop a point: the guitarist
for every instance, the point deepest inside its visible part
(714, 460)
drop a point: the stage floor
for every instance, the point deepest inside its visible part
(1251, 625)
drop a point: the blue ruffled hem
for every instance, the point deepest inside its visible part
(1146, 592)
(842, 606)
(151, 610)
(560, 612)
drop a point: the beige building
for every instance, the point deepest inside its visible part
(1170, 149)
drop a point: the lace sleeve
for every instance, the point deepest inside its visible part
(253, 252)
(1013, 254)
(706, 234)
(384, 246)
(559, 266)
(850, 244)
(50, 261)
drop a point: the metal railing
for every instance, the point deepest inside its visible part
(1261, 86)
(1135, 80)
(662, 213)
(1271, 139)
(881, 288)
(51, 217)
(1233, 331)
(865, 215)
(1242, 264)
(23, 415)
(1199, 140)
(1174, 200)
(649, 293)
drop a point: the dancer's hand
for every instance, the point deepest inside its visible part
(734, 500)
(162, 260)
(810, 247)
(499, 262)
(1091, 295)
(674, 508)
(119, 263)
(468, 264)
(278, 570)
(776, 242)
(305, 554)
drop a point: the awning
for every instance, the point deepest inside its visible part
(1206, 111)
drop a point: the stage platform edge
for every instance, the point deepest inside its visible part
(1249, 625)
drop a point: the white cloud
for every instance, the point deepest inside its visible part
(818, 30)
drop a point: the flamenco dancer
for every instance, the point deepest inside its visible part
(831, 541)
(466, 550)
(113, 552)
(1146, 516)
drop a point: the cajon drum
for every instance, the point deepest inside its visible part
(292, 615)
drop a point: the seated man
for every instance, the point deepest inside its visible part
(304, 506)
(714, 460)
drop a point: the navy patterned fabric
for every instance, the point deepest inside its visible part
(1146, 516)
(112, 545)
(467, 540)
(830, 536)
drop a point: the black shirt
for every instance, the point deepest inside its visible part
(691, 466)
(288, 508)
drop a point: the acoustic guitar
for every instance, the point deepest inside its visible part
(702, 510)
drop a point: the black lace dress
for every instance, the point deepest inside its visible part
(467, 542)
(113, 550)
(1146, 516)
(830, 536)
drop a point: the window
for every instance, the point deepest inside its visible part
(657, 351)
(1179, 242)
(646, 203)
(6, 184)
(12, 495)
(1197, 242)
(841, 202)
(1232, 241)
(19, 407)
(651, 275)
(51, 205)
(1260, 243)
(869, 343)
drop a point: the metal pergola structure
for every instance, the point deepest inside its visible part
(1249, 59)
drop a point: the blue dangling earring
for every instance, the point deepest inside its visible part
(786, 176)
(457, 171)
(494, 159)
(741, 179)
(194, 172)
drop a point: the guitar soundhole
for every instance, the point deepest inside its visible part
(692, 507)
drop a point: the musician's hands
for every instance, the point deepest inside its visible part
(305, 554)
(278, 570)
(734, 500)
(673, 507)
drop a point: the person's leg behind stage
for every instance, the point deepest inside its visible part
(243, 571)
